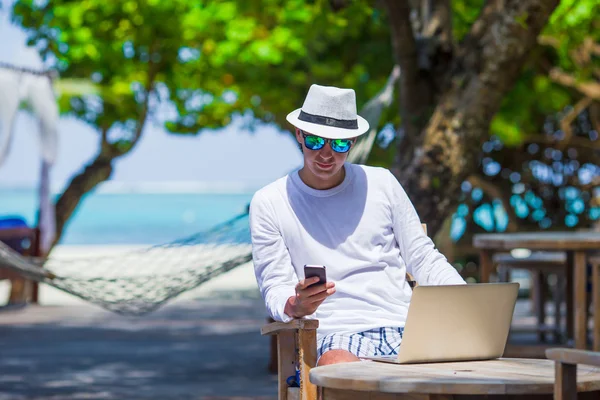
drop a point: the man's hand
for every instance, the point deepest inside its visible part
(308, 299)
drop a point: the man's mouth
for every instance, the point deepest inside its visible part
(324, 166)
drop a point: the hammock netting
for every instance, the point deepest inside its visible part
(137, 282)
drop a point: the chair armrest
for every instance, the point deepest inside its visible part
(276, 327)
(571, 356)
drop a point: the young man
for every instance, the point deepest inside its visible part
(355, 220)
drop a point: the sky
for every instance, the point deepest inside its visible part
(229, 157)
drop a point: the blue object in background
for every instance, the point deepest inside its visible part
(18, 242)
(12, 222)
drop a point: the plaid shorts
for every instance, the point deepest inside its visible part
(374, 342)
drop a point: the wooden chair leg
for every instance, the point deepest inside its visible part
(286, 346)
(569, 286)
(565, 384)
(558, 296)
(596, 295)
(539, 300)
(272, 366)
(307, 359)
(20, 291)
(296, 351)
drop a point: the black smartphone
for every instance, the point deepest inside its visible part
(315, 270)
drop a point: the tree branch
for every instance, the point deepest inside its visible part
(574, 141)
(153, 69)
(595, 116)
(587, 88)
(104, 136)
(567, 120)
(150, 81)
(440, 24)
(489, 12)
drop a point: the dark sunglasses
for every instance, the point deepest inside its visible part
(313, 142)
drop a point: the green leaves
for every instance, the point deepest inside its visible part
(266, 53)
(536, 95)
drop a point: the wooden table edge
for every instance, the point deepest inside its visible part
(451, 386)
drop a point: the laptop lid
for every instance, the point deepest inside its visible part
(456, 323)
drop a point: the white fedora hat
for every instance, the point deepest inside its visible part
(329, 112)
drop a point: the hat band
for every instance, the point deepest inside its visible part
(328, 121)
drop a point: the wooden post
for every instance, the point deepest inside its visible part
(485, 266)
(36, 251)
(565, 384)
(558, 296)
(580, 300)
(273, 361)
(285, 363)
(569, 275)
(307, 359)
(20, 291)
(539, 301)
(596, 298)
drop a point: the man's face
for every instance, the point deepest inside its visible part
(323, 163)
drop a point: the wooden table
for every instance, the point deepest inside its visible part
(503, 378)
(575, 244)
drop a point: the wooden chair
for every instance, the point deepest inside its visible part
(595, 261)
(22, 290)
(565, 384)
(297, 346)
(540, 264)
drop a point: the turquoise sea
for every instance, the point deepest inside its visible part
(133, 218)
(155, 217)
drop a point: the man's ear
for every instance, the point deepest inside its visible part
(299, 139)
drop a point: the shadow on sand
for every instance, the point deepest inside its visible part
(201, 349)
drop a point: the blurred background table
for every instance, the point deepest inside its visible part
(576, 244)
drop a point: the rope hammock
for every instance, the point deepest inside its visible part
(140, 281)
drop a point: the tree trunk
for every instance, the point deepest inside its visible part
(98, 171)
(485, 68)
(414, 86)
(101, 168)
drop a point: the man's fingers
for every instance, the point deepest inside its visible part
(304, 283)
(311, 291)
(321, 296)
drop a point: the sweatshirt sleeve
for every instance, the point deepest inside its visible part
(423, 260)
(272, 264)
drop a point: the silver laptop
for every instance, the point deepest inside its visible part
(456, 323)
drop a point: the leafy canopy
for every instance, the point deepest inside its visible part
(206, 60)
(214, 59)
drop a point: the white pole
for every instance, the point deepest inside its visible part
(46, 217)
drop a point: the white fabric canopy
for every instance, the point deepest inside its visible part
(17, 86)
(36, 90)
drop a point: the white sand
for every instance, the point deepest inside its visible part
(240, 279)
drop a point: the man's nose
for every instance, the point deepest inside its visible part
(326, 152)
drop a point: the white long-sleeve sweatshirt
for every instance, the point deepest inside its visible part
(367, 234)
